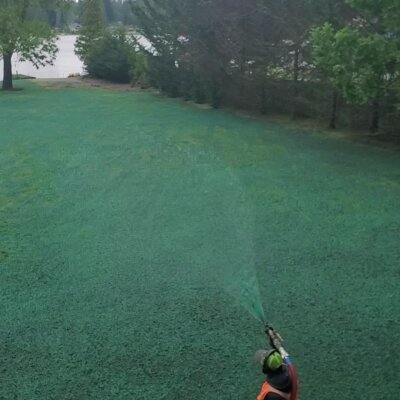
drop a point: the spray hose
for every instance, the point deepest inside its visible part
(276, 342)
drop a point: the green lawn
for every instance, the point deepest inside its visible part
(128, 221)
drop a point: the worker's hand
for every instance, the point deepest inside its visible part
(268, 330)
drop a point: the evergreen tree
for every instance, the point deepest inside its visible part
(93, 27)
(259, 51)
(109, 10)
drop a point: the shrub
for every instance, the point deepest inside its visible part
(112, 57)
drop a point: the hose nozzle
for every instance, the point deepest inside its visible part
(275, 339)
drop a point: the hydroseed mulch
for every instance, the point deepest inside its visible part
(131, 226)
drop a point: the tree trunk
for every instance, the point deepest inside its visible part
(7, 77)
(296, 73)
(375, 117)
(52, 17)
(332, 124)
(216, 96)
(264, 106)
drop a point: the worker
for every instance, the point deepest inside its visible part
(278, 383)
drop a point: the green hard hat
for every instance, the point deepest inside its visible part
(273, 360)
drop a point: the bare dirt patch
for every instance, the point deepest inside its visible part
(86, 82)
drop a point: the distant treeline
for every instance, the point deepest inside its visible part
(71, 13)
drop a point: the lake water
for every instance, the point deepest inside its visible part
(66, 63)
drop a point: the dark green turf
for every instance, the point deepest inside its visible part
(127, 221)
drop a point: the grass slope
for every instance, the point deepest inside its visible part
(120, 212)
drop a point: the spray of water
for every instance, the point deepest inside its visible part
(248, 294)
(239, 279)
(234, 258)
(219, 226)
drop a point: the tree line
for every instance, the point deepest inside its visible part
(332, 59)
(114, 12)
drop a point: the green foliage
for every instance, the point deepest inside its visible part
(93, 28)
(32, 39)
(140, 69)
(116, 11)
(55, 11)
(109, 54)
(387, 12)
(359, 65)
(116, 57)
(204, 49)
(362, 59)
(112, 58)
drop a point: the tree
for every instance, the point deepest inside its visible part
(109, 10)
(126, 15)
(32, 39)
(361, 60)
(257, 53)
(55, 10)
(113, 57)
(197, 47)
(160, 24)
(93, 27)
(380, 13)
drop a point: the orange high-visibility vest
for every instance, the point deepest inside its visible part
(267, 388)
